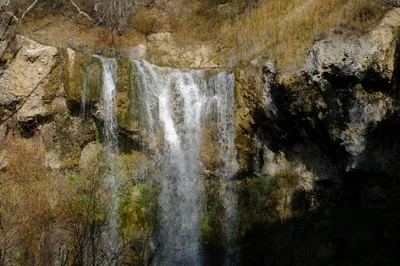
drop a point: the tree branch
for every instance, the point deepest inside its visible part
(79, 10)
(12, 15)
(27, 10)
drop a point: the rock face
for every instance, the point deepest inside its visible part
(34, 104)
(363, 116)
(340, 57)
(342, 94)
(364, 68)
(331, 108)
(30, 82)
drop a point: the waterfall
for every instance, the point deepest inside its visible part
(177, 104)
(110, 239)
(108, 91)
(223, 100)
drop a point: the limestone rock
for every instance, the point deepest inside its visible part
(269, 80)
(52, 160)
(89, 159)
(273, 163)
(337, 102)
(48, 134)
(71, 59)
(356, 56)
(392, 19)
(340, 57)
(366, 60)
(27, 79)
(364, 116)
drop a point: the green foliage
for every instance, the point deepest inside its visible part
(217, 58)
(139, 219)
(96, 132)
(269, 198)
(76, 181)
(81, 204)
(88, 201)
(258, 193)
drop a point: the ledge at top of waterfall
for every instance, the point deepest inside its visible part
(189, 116)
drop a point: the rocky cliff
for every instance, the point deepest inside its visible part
(332, 121)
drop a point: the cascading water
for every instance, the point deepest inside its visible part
(177, 104)
(223, 101)
(107, 106)
(111, 149)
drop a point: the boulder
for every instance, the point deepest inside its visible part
(90, 156)
(27, 80)
(340, 57)
(52, 160)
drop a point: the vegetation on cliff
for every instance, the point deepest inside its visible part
(238, 31)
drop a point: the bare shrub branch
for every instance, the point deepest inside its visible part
(80, 11)
(27, 10)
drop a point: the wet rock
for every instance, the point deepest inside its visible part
(75, 65)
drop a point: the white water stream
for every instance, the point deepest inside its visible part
(176, 105)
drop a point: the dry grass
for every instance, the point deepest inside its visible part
(284, 30)
(28, 198)
(61, 31)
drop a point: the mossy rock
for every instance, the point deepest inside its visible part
(69, 140)
(210, 148)
(93, 80)
(126, 96)
(75, 66)
(213, 225)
